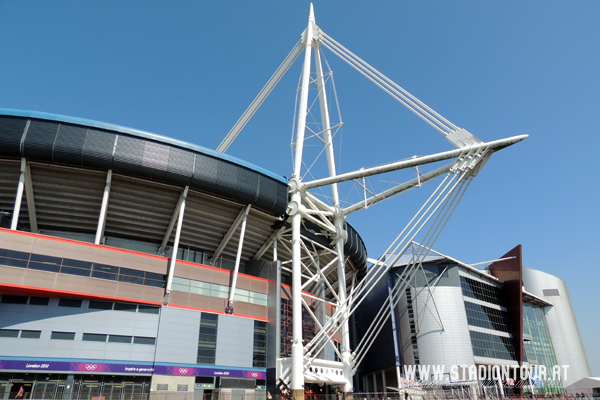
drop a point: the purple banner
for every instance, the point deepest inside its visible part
(77, 367)
(231, 373)
(134, 369)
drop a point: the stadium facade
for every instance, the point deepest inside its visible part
(455, 315)
(133, 264)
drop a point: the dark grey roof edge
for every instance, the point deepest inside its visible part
(141, 134)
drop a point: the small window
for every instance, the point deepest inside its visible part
(155, 280)
(105, 272)
(148, 309)
(39, 301)
(94, 337)
(119, 339)
(77, 264)
(11, 262)
(100, 305)
(14, 254)
(9, 333)
(14, 299)
(31, 334)
(125, 307)
(144, 340)
(45, 263)
(76, 267)
(63, 335)
(74, 303)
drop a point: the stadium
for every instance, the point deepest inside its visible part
(132, 263)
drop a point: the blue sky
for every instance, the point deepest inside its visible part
(189, 69)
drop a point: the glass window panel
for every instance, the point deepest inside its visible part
(119, 339)
(131, 279)
(131, 272)
(103, 271)
(39, 301)
(144, 340)
(242, 292)
(14, 254)
(154, 283)
(200, 284)
(63, 335)
(181, 281)
(218, 293)
(77, 264)
(46, 259)
(180, 288)
(10, 262)
(126, 307)
(100, 305)
(74, 303)
(74, 271)
(153, 276)
(44, 266)
(31, 334)
(9, 333)
(94, 337)
(198, 290)
(14, 299)
(148, 309)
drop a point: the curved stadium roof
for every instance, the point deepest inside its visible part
(69, 158)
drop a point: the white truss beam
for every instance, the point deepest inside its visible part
(174, 216)
(103, 208)
(30, 200)
(236, 222)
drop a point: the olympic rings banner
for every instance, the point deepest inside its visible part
(137, 369)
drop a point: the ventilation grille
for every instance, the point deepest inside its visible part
(551, 292)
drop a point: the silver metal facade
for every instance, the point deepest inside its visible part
(561, 320)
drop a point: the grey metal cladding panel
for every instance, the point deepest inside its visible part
(68, 147)
(128, 155)
(267, 193)
(155, 160)
(205, 173)
(227, 179)
(282, 199)
(180, 167)
(355, 248)
(39, 140)
(247, 186)
(11, 131)
(98, 149)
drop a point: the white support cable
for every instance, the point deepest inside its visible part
(314, 317)
(329, 41)
(260, 98)
(397, 95)
(361, 354)
(439, 199)
(382, 316)
(398, 189)
(337, 317)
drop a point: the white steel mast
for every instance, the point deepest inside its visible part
(470, 155)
